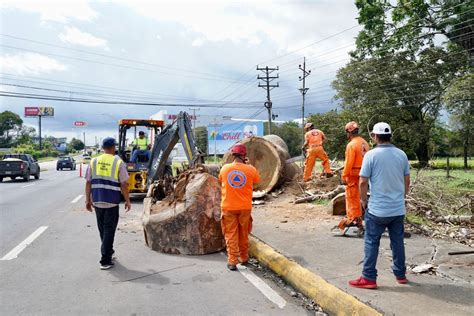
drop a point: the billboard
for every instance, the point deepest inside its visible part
(39, 111)
(220, 137)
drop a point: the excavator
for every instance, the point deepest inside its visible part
(146, 171)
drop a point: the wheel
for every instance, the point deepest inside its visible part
(57, 168)
(26, 178)
(37, 175)
(1, 179)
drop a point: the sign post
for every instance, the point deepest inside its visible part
(39, 111)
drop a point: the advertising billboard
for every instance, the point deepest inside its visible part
(39, 111)
(222, 136)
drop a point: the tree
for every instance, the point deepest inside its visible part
(9, 121)
(402, 89)
(459, 99)
(76, 144)
(391, 26)
(201, 138)
(291, 133)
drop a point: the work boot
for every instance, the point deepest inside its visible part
(232, 267)
(363, 283)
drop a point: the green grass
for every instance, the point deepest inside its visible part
(441, 163)
(416, 219)
(45, 159)
(320, 202)
(460, 182)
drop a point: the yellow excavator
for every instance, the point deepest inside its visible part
(145, 171)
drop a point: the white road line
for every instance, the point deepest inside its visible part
(16, 251)
(77, 199)
(28, 185)
(262, 286)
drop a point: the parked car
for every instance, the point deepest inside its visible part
(86, 157)
(66, 162)
(19, 166)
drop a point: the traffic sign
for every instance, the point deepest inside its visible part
(80, 124)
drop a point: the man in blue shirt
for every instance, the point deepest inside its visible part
(387, 170)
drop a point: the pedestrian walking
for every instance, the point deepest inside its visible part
(106, 181)
(387, 170)
(237, 180)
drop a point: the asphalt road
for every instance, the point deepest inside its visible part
(49, 255)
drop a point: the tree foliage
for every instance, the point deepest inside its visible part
(412, 25)
(201, 138)
(292, 134)
(9, 123)
(76, 144)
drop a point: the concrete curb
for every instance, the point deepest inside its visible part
(333, 300)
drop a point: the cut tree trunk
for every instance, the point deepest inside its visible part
(187, 222)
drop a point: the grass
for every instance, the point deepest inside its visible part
(460, 182)
(416, 219)
(441, 163)
(320, 202)
(45, 159)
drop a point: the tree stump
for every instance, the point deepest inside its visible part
(188, 222)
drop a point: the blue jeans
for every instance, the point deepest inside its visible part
(138, 152)
(374, 228)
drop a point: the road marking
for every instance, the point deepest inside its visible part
(77, 198)
(28, 185)
(16, 251)
(262, 286)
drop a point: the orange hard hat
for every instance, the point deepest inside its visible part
(308, 125)
(351, 126)
(239, 149)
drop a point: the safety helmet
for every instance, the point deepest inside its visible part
(309, 126)
(351, 126)
(382, 128)
(239, 150)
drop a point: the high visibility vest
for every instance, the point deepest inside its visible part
(141, 143)
(105, 182)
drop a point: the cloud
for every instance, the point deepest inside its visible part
(54, 10)
(75, 36)
(29, 64)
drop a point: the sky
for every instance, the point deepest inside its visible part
(186, 55)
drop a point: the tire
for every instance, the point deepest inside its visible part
(26, 178)
(1, 179)
(37, 175)
(57, 168)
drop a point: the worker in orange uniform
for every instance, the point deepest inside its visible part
(237, 180)
(355, 151)
(313, 145)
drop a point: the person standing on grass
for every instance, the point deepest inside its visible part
(106, 178)
(387, 170)
(237, 180)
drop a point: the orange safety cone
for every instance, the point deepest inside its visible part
(80, 171)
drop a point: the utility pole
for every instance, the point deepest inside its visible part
(39, 127)
(267, 79)
(84, 135)
(303, 90)
(194, 120)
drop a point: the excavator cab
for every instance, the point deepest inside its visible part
(137, 170)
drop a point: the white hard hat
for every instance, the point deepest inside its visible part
(382, 128)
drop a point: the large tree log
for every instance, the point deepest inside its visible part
(189, 221)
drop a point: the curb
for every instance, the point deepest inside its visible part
(332, 299)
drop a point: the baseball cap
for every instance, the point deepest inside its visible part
(108, 142)
(382, 128)
(141, 133)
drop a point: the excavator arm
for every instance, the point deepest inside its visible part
(180, 130)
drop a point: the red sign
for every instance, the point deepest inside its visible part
(80, 124)
(31, 111)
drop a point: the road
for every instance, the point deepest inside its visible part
(49, 256)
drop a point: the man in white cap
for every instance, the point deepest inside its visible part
(386, 168)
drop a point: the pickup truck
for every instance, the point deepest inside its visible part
(19, 166)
